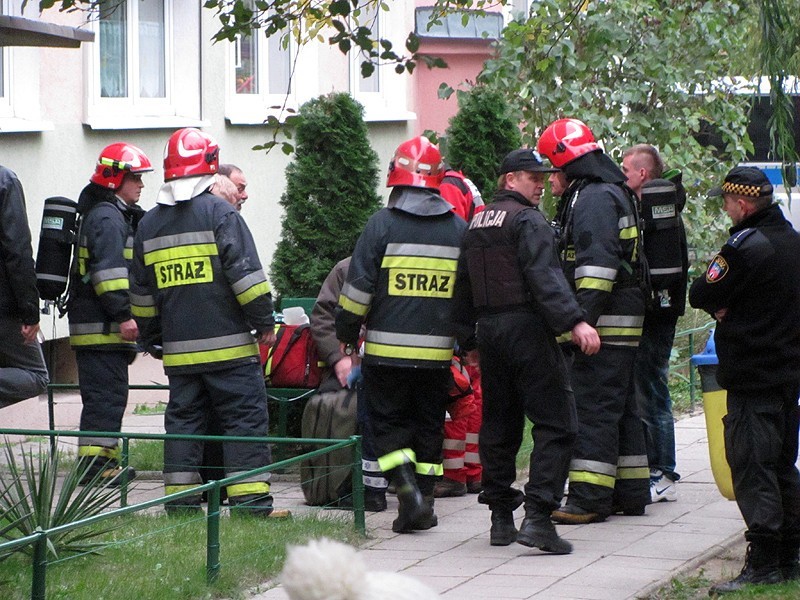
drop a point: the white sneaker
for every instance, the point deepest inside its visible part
(663, 490)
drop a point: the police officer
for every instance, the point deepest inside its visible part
(196, 272)
(600, 246)
(102, 330)
(400, 282)
(752, 288)
(510, 283)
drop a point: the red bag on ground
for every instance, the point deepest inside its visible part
(292, 361)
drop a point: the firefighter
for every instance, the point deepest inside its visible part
(102, 330)
(600, 244)
(510, 284)
(197, 275)
(400, 283)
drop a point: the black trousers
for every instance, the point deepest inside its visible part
(609, 466)
(239, 400)
(523, 374)
(103, 379)
(761, 430)
(406, 409)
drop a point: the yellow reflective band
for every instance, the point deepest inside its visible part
(174, 489)
(127, 254)
(98, 451)
(260, 289)
(245, 489)
(419, 262)
(593, 283)
(111, 285)
(96, 339)
(178, 252)
(83, 252)
(619, 331)
(633, 473)
(629, 233)
(564, 337)
(353, 307)
(421, 283)
(429, 469)
(183, 271)
(404, 456)
(144, 311)
(570, 257)
(408, 352)
(593, 478)
(210, 356)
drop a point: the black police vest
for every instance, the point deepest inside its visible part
(491, 254)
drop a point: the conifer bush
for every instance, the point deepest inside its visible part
(482, 132)
(330, 193)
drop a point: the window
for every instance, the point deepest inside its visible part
(262, 84)
(384, 92)
(135, 79)
(452, 25)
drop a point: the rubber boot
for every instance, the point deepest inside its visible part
(256, 505)
(503, 531)
(538, 531)
(412, 505)
(426, 522)
(760, 567)
(789, 559)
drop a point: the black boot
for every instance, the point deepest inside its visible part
(413, 507)
(538, 531)
(760, 567)
(102, 471)
(788, 559)
(428, 521)
(256, 505)
(503, 531)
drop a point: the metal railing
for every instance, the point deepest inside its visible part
(39, 540)
(691, 379)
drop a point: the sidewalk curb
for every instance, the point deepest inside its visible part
(692, 564)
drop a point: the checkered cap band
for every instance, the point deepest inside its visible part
(753, 191)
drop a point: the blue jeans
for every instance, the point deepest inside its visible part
(652, 392)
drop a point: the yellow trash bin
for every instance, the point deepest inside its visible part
(715, 407)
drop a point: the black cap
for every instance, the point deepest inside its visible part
(744, 181)
(525, 159)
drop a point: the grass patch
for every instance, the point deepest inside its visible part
(163, 557)
(146, 455)
(149, 409)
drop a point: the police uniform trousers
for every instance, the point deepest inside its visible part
(103, 381)
(524, 375)
(238, 398)
(609, 466)
(406, 408)
(761, 430)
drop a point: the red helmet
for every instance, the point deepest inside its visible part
(565, 140)
(416, 162)
(190, 152)
(116, 160)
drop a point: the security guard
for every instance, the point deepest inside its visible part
(510, 283)
(752, 288)
(102, 330)
(600, 248)
(196, 273)
(400, 282)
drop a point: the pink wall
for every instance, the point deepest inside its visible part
(464, 60)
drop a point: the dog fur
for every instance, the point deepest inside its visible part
(328, 570)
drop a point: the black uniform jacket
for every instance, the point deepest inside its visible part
(509, 263)
(756, 277)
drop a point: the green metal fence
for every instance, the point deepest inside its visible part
(675, 368)
(39, 540)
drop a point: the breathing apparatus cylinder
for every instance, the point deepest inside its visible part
(56, 240)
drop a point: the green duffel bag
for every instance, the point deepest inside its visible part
(328, 415)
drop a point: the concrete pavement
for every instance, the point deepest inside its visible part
(624, 557)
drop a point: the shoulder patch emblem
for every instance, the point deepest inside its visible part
(717, 269)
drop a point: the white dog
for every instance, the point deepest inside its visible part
(328, 570)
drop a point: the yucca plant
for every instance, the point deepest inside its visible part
(31, 500)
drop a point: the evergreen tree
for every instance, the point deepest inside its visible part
(480, 135)
(330, 193)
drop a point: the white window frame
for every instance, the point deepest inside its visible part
(180, 106)
(20, 105)
(390, 102)
(255, 108)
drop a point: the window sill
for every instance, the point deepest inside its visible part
(16, 125)
(127, 122)
(257, 117)
(380, 114)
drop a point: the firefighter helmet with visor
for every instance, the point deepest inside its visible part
(565, 140)
(190, 152)
(418, 163)
(115, 161)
